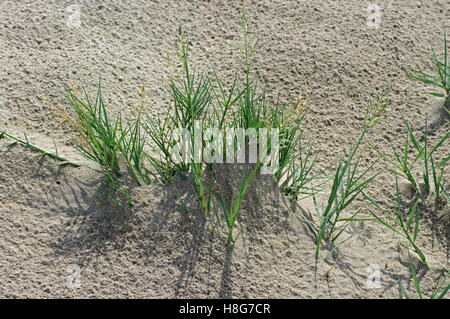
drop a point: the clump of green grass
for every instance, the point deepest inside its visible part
(408, 229)
(400, 165)
(442, 80)
(192, 99)
(253, 112)
(426, 152)
(101, 136)
(231, 210)
(347, 185)
(192, 103)
(253, 107)
(204, 101)
(115, 145)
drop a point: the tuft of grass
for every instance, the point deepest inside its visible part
(400, 165)
(202, 101)
(192, 98)
(101, 136)
(252, 107)
(426, 152)
(288, 120)
(107, 140)
(442, 79)
(231, 211)
(197, 104)
(299, 179)
(294, 173)
(408, 229)
(296, 164)
(347, 185)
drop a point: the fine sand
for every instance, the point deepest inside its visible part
(57, 238)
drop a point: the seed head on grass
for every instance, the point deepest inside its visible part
(191, 96)
(375, 110)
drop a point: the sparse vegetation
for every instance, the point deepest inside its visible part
(439, 290)
(401, 165)
(329, 225)
(442, 79)
(409, 229)
(41, 152)
(158, 149)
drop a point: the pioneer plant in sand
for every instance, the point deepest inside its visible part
(329, 225)
(199, 102)
(41, 152)
(442, 79)
(401, 165)
(207, 102)
(408, 230)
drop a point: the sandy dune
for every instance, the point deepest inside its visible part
(58, 240)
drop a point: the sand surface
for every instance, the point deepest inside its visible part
(58, 240)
